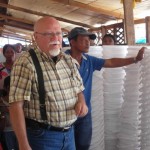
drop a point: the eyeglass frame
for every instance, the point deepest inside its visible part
(50, 34)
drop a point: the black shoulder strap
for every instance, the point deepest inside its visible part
(41, 89)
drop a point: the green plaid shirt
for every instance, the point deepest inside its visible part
(62, 84)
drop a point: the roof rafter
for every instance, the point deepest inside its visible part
(15, 19)
(43, 14)
(91, 8)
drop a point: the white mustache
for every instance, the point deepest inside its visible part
(54, 42)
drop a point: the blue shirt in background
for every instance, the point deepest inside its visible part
(88, 65)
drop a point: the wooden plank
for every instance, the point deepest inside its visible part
(8, 35)
(108, 26)
(15, 35)
(147, 20)
(43, 14)
(139, 21)
(89, 7)
(17, 25)
(15, 19)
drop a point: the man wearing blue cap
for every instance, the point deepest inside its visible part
(79, 39)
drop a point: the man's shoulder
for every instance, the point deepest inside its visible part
(88, 57)
(66, 55)
(67, 51)
(23, 59)
(68, 59)
(24, 54)
(19, 54)
(93, 59)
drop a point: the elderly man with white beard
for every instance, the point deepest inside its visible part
(47, 126)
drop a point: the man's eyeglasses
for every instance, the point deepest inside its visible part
(50, 35)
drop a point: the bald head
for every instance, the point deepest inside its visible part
(48, 35)
(45, 21)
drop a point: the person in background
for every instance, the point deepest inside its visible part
(5, 69)
(80, 42)
(64, 100)
(3, 112)
(108, 39)
(1, 147)
(18, 48)
(8, 134)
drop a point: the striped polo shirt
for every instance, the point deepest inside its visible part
(62, 84)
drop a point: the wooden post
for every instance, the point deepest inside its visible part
(129, 21)
(147, 23)
(103, 29)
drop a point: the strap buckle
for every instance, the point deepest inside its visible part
(42, 105)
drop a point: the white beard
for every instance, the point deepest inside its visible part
(54, 52)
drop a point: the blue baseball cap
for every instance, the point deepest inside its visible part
(80, 31)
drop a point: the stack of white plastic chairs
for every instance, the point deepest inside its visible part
(129, 134)
(97, 142)
(121, 102)
(113, 85)
(145, 102)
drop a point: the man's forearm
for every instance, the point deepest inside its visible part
(119, 62)
(81, 108)
(18, 124)
(81, 97)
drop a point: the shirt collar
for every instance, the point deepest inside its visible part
(45, 56)
(83, 56)
(69, 52)
(74, 60)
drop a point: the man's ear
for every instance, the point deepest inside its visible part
(33, 39)
(72, 42)
(34, 36)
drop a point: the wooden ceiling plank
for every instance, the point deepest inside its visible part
(17, 25)
(8, 34)
(15, 19)
(66, 2)
(42, 14)
(89, 7)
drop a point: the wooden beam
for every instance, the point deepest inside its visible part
(139, 21)
(43, 14)
(17, 25)
(129, 21)
(7, 33)
(108, 26)
(13, 30)
(91, 8)
(12, 33)
(147, 20)
(15, 19)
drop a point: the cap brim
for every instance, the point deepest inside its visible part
(91, 35)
